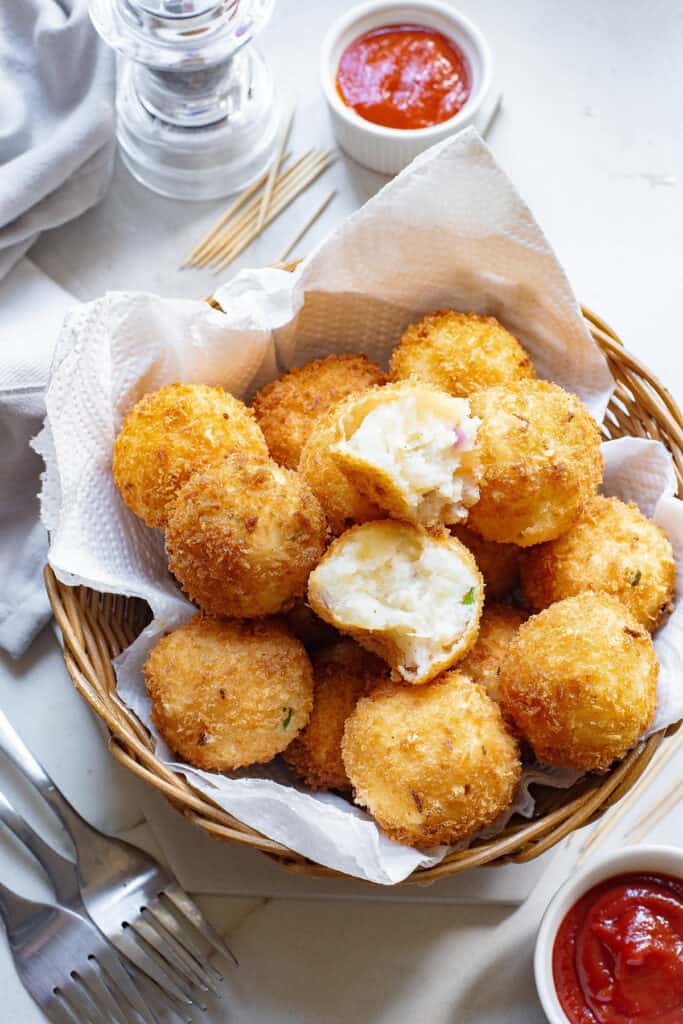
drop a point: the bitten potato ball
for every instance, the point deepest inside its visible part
(287, 409)
(411, 596)
(229, 693)
(243, 536)
(431, 763)
(341, 501)
(541, 462)
(460, 353)
(498, 563)
(497, 627)
(612, 548)
(341, 675)
(411, 449)
(170, 434)
(580, 682)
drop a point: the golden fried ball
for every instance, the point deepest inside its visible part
(171, 433)
(341, 675)
(541, 462)
(580, 681)
(460, 353)
(431, 763)
(287, 409)
(411, 449)
(342, 502)
(498, 563)
(409, 595)
(243, 536)
(229, 693)
(612, 548)
(497, 627)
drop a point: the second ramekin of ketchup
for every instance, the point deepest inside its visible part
(610, 946)
(399, 77)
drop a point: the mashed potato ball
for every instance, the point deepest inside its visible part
(612, 548)
(412, 449)
(498, 563)
(341, 501)
(460, 353)
(243, 536)
(171, 433)
(580, 682)
(541, 462)
(342, 674)
(410, 596)
(431, 763)
(498, 625)
(287, 409)
(228, 693)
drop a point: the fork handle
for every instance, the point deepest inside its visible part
(61, 872)
(16, 751)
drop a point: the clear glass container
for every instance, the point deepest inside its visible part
(196, 110)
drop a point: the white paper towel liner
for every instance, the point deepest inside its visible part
(450, 231)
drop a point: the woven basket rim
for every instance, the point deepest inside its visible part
(97, 627)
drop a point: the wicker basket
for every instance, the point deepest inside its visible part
(97, 627)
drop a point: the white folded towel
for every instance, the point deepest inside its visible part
(56, 136)
(32, 307)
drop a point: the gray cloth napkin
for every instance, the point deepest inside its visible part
(32, 307)
(56, 135)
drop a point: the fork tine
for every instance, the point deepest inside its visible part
(184, 937)
(189, 964)
(59, 1009)
(184, 932)
(81, 1002)
(125, 983)
(105, 996)
(160, 952)
(155, 969)
(189, 909)
(162, 1006)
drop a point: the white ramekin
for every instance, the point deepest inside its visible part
(389, 150)
(666, 860)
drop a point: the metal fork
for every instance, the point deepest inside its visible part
(87, 945)
(58, 961)
(130, 897)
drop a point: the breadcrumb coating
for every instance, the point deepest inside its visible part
(497, 627)
(580, 682)
(342, 674)
(243, 537)
(612, 548)
(433, 763)
(460, 353)
(541, 462)
(498, 563)
(170, 434)
(228, 693)
(341, 501)
(287, 408)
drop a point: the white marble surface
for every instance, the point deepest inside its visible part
(589, 133)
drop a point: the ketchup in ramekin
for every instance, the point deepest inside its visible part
(404, 76)
(618, 954)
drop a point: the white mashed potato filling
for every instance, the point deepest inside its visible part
(403, 584)
(424, 443)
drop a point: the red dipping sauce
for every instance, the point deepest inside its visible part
(404, 76)
(618, 954)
